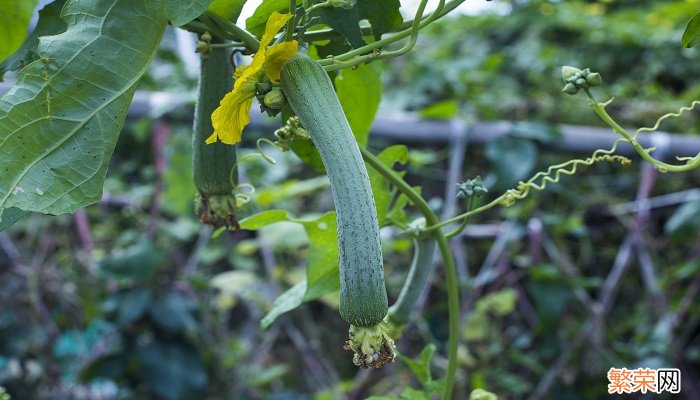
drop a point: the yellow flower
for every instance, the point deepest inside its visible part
(233, 113)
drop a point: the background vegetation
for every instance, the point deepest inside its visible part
(131, 298)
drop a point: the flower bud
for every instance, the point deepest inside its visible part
(594, 79)
(203, 48)
(263, 87)
(568, 72)
(570, 88)
(275, 99)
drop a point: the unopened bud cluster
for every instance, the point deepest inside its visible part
(347, 4)
(577, 79)
(471, 188)
(271, 99)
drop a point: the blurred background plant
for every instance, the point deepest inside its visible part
(132, 298)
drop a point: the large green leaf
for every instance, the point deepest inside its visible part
(511, 160)
(383, 15)
(421, 366)
(360, 91)
(344, 21)
(181, 12)
(60, 122)
(691, 36)
(229, 9)
(306, 151)
(14, 18)
(382, 190)
(289, 189)
(49, 23)
(8, 217)
(287, 301)
(172, 369)
(256, 23)
(685, 221)
(322, 259)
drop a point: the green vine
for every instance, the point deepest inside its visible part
(372, 51)
(538, 182)
(447, 260)
(690, 162)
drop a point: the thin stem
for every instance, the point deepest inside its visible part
(644, 153)
(317, 6)
(448, 262)
(464, 223)
(224, 45)
(291, 24)
(238, 33)
(328, 34)
(415, 29)
(213, 28)
(441, 10)
(497, 201)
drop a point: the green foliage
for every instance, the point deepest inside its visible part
(322, 259)
(49, 24)
(229, 9)
(446, 109)
(360, 91)
(255, 24)
(8, 217)
(384, 193)
(168, 365)
(145, 319)
(383, 16)
(499, 67)
(58, 147)
(685, 221)
(172, 369)
(511, 160)
(181, 13)
(14, 19)
(421, 366)
(136, 263)
(691, 35)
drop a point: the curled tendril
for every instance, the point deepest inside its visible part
(664, 117)
(645, 153)
(552, 175)
(242, 195)
(261, 152)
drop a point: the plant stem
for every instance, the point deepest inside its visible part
(464, 223)
(448, 262)
(342, 60)
(238, 33)
(644, 153)
(497, 201)
(291, 24)
(213, 28)
(225, 45)
(317, 6)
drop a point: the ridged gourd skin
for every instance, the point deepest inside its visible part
(416, 280)
(309, 92)
(212, 163)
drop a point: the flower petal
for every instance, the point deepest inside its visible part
(274, 24)
(230, 118)
(233, 113)
(276, 56)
